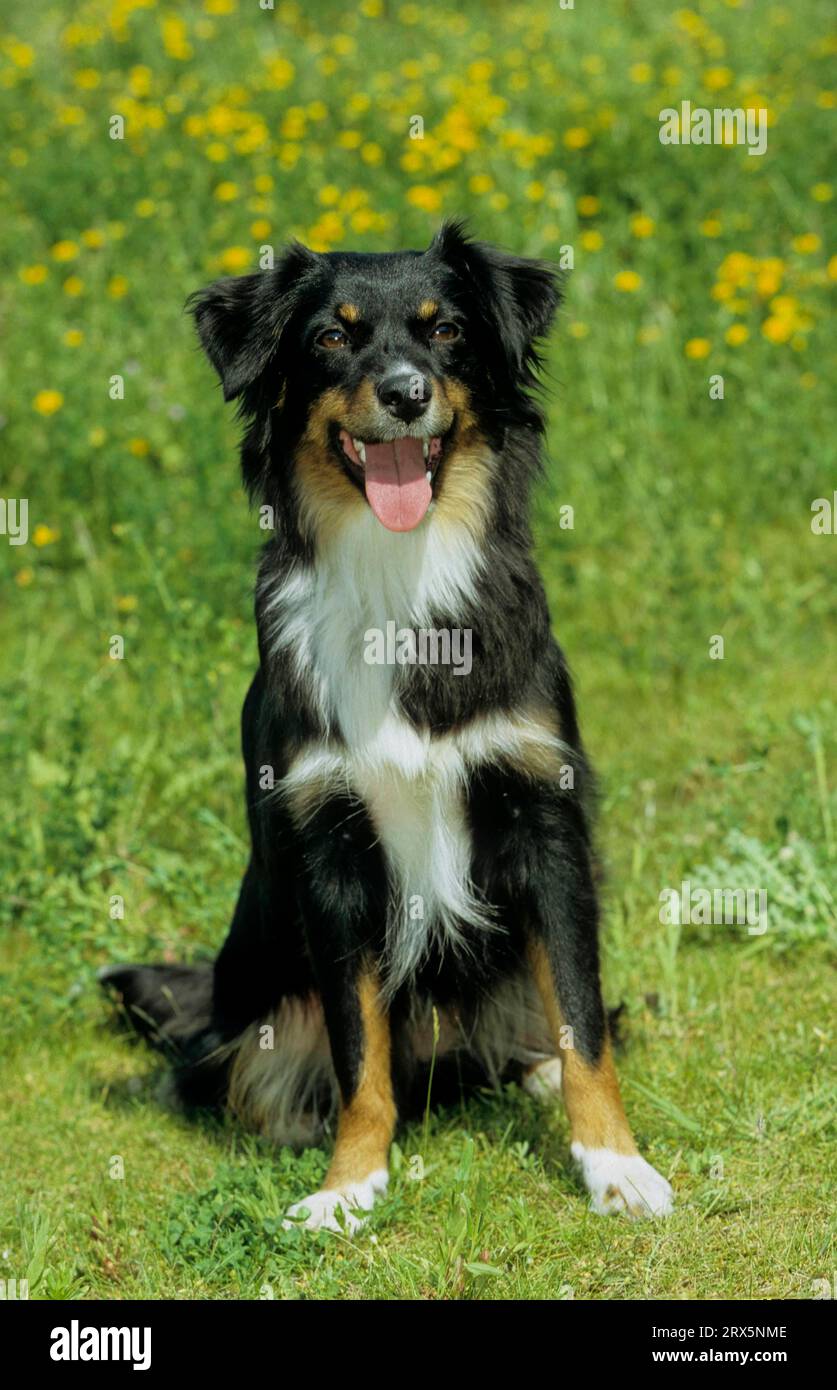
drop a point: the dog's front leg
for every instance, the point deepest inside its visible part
(563, 956)
(359, 1033)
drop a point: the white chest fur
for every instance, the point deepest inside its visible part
(412, 784)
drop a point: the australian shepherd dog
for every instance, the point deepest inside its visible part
(421, 886)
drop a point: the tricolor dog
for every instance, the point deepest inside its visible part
(421, 881)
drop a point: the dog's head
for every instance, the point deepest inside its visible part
(379, 379)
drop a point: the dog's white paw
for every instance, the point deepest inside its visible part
(623, 1182)
(353, 1201)
(543, 1080)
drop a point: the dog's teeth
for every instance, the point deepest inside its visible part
(425, 445)
(360, 448)
(428, 475)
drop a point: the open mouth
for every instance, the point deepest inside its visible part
(397, 475)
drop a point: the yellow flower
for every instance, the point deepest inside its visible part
(499, 201)
(627, 281)
(807, 243)
(87, 79)
(784, 305)
(640, 72)
(535, 191)
(260, 228)
(44, 535)
(117, 286)
(24, 577)
(33, 274)
(588, 205)
(73, 286)
(736, 334)
(577, 137)
(777, 329)
(649, 333)
(715, 79)
(146, 207)
(93, 238)
(697, 348)
(21, 54)
(263, 183)
(710, 226)
(421, 195)
(827, 100)
(579, 330)
(768, 280)
(350, 139)
(139, 447)
(371, 153)
(807, 381)
(329, 194)
(73, 337)
(226, 192)
(216, 151)
(831, 268)
(723, 290)
(127, 603)
(280, 73)
(235, 258)
(480, 183)
(736, 268)
(97, 436)
(822, 193)
(642, 226)
(139, 80)
(64, 251)
(592, 241)
(47, 402)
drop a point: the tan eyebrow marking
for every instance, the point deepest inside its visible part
(428, 308)
(349, 312)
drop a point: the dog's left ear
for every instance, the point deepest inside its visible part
(241, 320)
(523, 293)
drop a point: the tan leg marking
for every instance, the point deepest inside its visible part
(358, 1173)
(366, 1124)
(591, 1091)
(614, 1172)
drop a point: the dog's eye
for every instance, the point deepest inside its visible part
(333, 338)
(444, 333)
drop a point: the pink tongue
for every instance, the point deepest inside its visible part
(396, 483)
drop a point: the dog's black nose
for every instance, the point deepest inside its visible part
(406, 395)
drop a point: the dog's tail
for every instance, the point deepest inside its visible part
(170, 1006)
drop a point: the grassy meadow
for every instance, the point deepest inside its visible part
(692, 521)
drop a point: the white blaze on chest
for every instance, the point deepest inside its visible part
(412, 785)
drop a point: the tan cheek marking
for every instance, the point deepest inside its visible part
(464, 497)
(326, 497)
(591, 1090)
(428, 308)
(350, 313)
(366, 1124)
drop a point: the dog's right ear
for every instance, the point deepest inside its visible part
(240, 321)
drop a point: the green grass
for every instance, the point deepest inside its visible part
(692, 518)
